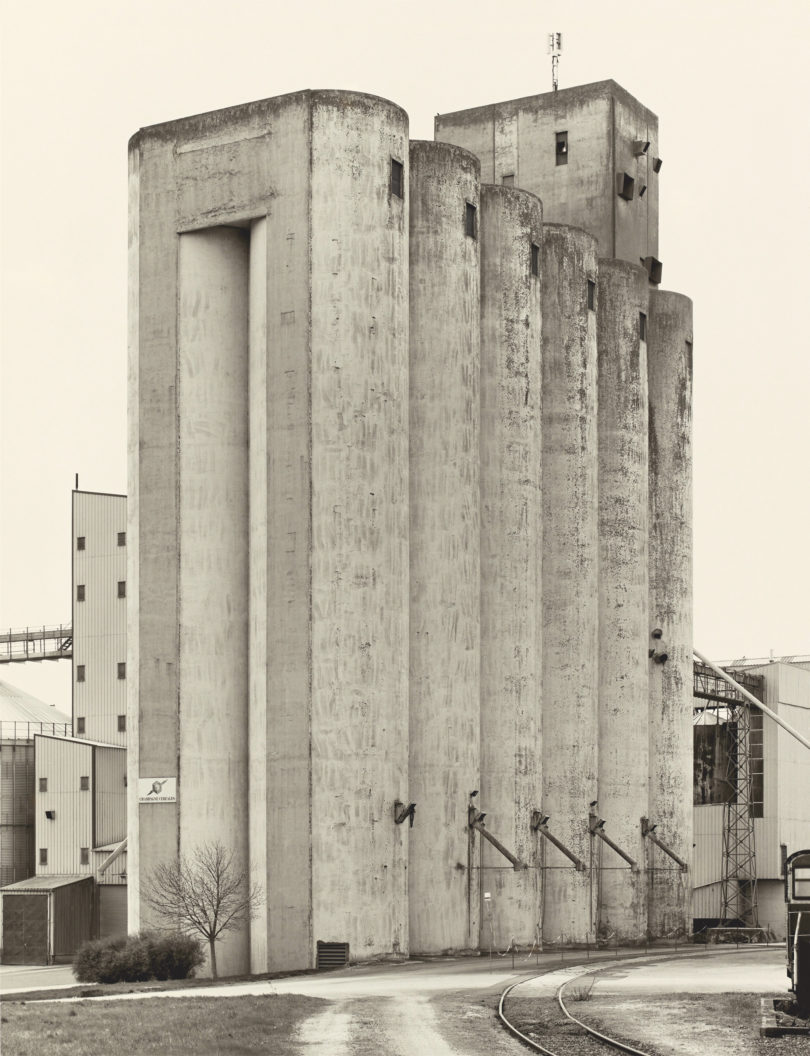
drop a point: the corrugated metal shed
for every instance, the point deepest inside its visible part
(37, 884)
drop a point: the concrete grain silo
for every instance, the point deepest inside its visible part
(669, 372)
(511, 557)
(393, 540)
(279, 549)
(444, 545)
(570, 585)
(622, 313)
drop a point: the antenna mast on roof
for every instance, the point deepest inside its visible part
(554, 49)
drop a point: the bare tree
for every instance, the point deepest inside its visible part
(205, 892)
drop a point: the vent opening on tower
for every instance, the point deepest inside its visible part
(591, 295)
(625, 185)
(332, 955)
(535, 259)
(561, 146)
(397, 178)
(470, 221)
(508, 179)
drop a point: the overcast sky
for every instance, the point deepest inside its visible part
(730, 84)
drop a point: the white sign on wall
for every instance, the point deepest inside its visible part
(157, 789)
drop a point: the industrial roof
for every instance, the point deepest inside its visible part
(18, 706)
(45, 883)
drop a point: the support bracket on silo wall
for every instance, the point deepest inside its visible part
(596, 825)
(478, 826)
(539, 820)
(648, 832)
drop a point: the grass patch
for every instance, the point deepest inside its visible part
(214, 1026)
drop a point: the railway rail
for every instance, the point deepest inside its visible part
(563, 1034)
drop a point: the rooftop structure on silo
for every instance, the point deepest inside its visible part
(590, 153)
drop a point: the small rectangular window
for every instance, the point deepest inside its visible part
(80, 592)
(122, 723)
(84, 856)
(642, 326)
(79, 725)
(122, 588)
(508, 179)
(80, 542)
(43, 856)
(561, 144)
(43, 784)
(470, 221)
(397, 178)
(591, 295)
(80, 669)
(122, 538)
(535, 259)
(122, 670)
(84, 784)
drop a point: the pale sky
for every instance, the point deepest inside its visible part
(730, 83)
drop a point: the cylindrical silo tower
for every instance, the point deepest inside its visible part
(511, 556)
(569, 575)
(359, 508)
(212, 398)
(622, 314)
(669, 371)
(444, 545)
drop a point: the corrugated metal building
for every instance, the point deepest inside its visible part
(780, 769)
(22, 716)
(100, 616)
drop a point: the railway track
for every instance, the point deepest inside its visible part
(548, 1026)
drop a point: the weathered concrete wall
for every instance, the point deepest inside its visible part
(444, 547)
(623, 593)
(359, 497)
(258, 484)
(669, 373)
(570, 564)
(511, 556)
(602, 121)
(636, 221)
(281, 828)
(213, 549)
(325, 613)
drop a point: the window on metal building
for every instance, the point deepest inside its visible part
(79, 725)
(80, 540)
(122, 538)
(80, 670)
(122, 588)
(122, 723)
(122, 670)
(43, 784)
(84, 856)
(43, 856)
(84, 784)
(80, 592)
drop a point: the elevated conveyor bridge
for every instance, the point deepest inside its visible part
(36, 643)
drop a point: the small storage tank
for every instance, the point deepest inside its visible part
(444, 546)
